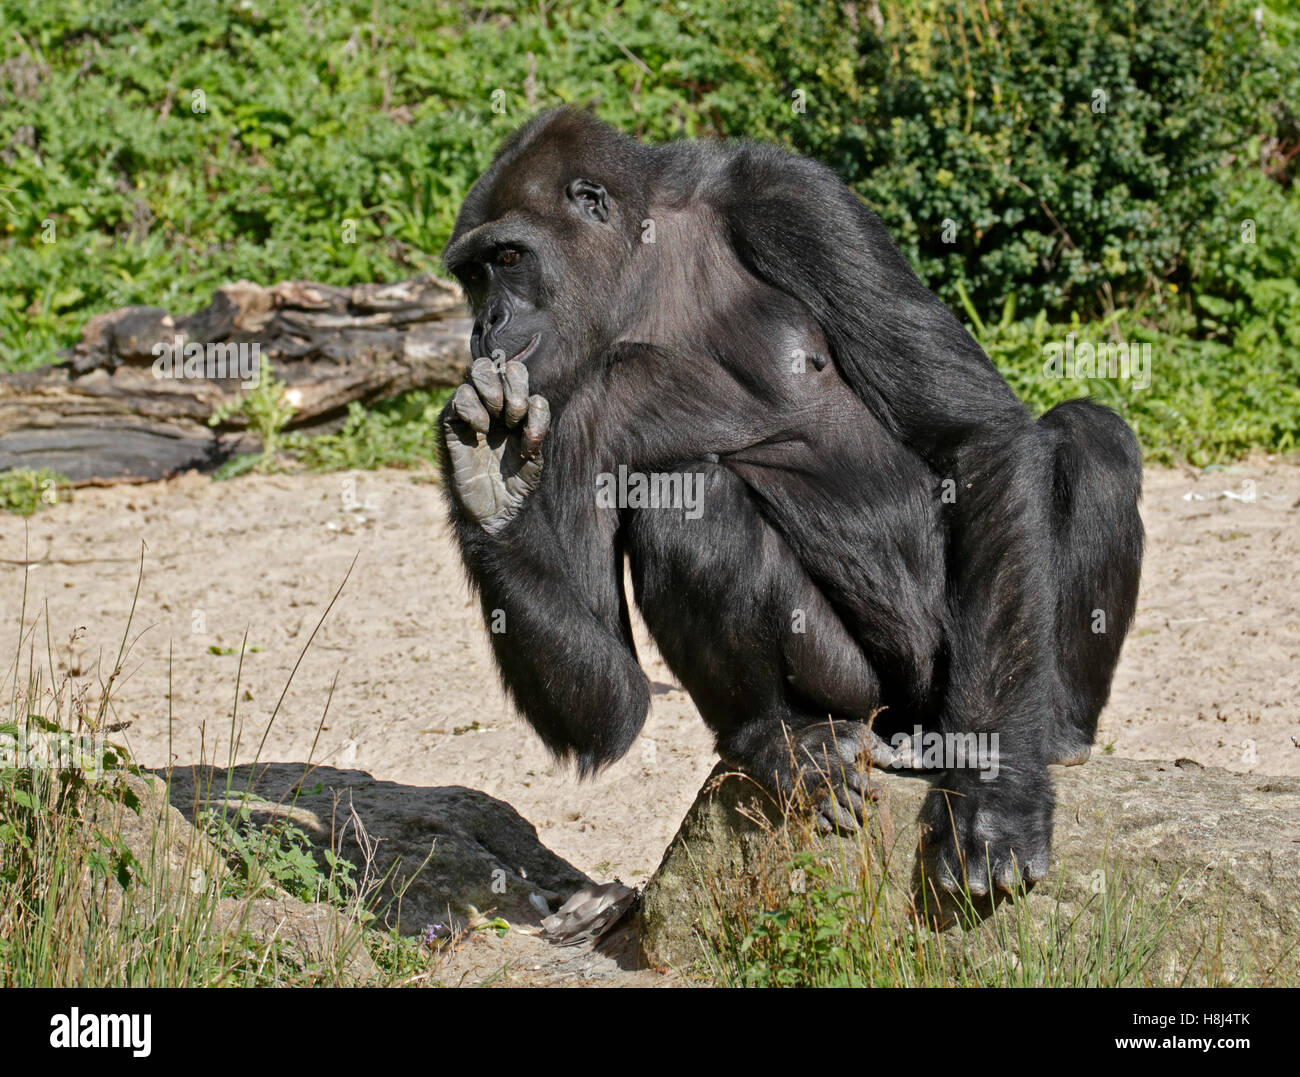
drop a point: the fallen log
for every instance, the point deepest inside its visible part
(1213, 856)
(132, 399)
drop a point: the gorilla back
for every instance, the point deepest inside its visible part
(882, 536)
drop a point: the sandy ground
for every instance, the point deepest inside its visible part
(1211, 669)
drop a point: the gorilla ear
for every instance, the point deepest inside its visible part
(589, 199)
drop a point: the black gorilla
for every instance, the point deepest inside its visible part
(882, 537)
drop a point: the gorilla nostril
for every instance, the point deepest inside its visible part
(496, 316)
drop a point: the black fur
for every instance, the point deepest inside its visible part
(823, 483)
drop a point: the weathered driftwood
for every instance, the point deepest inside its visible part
(106, 413)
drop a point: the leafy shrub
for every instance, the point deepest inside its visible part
(1068, 152)
(153, 150)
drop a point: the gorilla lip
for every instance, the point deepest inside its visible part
(526, 350)
(519, 356)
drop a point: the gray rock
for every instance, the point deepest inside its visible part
(305, 934)
(1222, 849)
(449, 852)
(172, 854)
(176, 860)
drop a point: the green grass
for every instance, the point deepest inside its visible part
(834, 935)
(851, 923)
(80, 905)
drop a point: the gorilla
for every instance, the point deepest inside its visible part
(882, 538)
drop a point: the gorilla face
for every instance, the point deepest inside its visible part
(543, 246)
(503, 282)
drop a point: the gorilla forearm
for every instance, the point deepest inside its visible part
(569, 669)
(548, 577)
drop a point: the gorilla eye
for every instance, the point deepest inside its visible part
(508, 258)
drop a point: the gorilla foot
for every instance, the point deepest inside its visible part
(973, 845)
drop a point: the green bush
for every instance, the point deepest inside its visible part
(152, 150)
(1079, 150)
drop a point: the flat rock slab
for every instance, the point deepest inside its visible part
(181, 867)
(449, 851)
(1222, 849)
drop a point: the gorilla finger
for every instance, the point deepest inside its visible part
(469, 406)
(948, 878)
(1007, 876)
(1036, 866)
(487, 381)
(539, 421)
(880, 752)
(516, 387)
(977, 880)
(861, 784)
(852, 800)
(840, 816)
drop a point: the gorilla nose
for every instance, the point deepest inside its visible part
(486, 326)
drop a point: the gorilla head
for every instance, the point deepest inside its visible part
(546, 239)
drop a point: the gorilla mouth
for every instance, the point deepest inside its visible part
(526, 350)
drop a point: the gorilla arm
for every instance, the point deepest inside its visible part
(545, 558)
(547, 569)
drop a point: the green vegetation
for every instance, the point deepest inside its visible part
(397, 432)
(266, 409)
(101, 884)
(848, 922)
(23, 491)
(817, 939)
(1124, 170)
(277, 856)
(394, 433)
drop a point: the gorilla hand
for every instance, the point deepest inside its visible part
(832, 761)
(493, 434)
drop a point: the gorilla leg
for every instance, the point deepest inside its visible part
(771, 668)
(1097, 483)
(1047, 546)
(989, 827)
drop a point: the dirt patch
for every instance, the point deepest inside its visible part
(1211, 671)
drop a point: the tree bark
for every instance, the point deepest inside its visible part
(109, 410)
